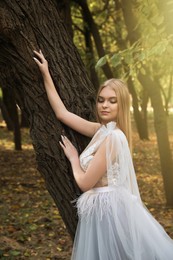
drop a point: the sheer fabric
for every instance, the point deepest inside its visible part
(113, 222)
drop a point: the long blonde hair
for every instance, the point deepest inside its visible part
(123, 98)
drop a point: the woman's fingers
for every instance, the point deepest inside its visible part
(65, 140)
(68, 148)
(62, 145)
(41, 61)
(66, 143)
(35, 60)
(39, 55)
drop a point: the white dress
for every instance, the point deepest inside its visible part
(113, 222)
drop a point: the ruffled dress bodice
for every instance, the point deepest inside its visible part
(88, 154)
(98, 138)
(120, 171)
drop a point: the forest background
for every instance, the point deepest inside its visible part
(85, 43)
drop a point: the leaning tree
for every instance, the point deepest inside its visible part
(33, 24)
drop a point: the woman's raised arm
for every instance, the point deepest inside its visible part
(72, 120)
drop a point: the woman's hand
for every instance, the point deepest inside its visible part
(69, 149)
(41, 62)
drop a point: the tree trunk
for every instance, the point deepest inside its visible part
(156, 100)
(142, 131)
(96, 35)
(167, 96)
(133, 36)
(24, 120)
(144, 104)
(24, 26)
(6, 116)
(160, 124)
(10, 103)
(64, 10)
(141, 128)
(90, 58)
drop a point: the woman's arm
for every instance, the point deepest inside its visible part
(97, 168)
(73, 121)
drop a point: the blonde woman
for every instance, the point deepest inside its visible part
(113, 222)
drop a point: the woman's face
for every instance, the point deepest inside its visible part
(107, 106)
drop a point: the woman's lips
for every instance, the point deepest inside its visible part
(104, 112)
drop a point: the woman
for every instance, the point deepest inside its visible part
(113, 222)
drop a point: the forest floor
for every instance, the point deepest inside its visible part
(30, 225)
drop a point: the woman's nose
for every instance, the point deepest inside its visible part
(105, 103)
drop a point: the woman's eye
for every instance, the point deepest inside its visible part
(100, 100)
(112, 101)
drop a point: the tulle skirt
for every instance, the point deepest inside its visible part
(113, 225)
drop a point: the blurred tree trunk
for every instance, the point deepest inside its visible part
(141, 125)
(144, 104)
(24, 26)
(122, 44)
(6, 116)
(88, 18)
(160, 124)
(160, 121)
(90, 57)
(64, 10)
(10, 103)
(24, 120)
(133, 36)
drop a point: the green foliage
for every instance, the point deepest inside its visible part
(153, 48)
(101, 62)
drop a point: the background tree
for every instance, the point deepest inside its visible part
(139, 116)
(13, 115)
(153, 88)
(141, 50)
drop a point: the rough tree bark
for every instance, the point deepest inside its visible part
(24, 26)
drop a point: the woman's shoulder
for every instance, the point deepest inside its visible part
(107, 128)
(110, 131)
(114, 133)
